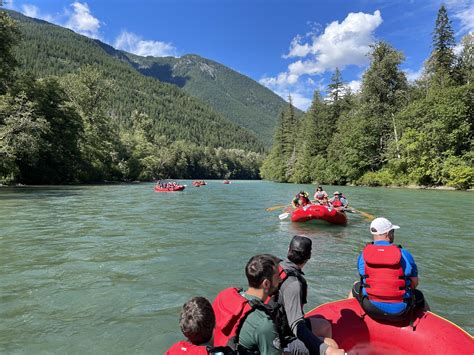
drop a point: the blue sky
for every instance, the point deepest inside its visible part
(292, 46)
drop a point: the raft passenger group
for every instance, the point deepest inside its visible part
(268, 317)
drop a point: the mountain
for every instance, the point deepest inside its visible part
(236, 96)
(47, 49)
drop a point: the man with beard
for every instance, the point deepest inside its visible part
(243, 321)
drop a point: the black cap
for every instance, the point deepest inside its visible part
(301, 244)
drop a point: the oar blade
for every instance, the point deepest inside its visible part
(367, 216)
(283, 216)
(273, 208)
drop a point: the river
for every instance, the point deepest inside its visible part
(106, 269)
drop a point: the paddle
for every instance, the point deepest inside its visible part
(273, 208)
(283, 216)
(365, 214)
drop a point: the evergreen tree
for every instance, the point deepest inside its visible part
(311, 142)
(336, 87)
(274, 167)
(336, 93)
(442, 60)
(288, 129)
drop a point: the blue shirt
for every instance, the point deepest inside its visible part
(409, 269)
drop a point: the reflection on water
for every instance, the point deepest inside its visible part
(105, 269)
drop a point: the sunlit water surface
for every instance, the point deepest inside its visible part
(106, 269)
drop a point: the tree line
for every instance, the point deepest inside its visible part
(390, 133)
(80, 123)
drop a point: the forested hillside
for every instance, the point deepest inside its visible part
(236, 96)
(391, 133)
(48, 49)
(69, 112)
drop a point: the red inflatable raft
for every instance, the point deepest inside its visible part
(359, 334)
(309, 212)
(169, 189)
(199, 183)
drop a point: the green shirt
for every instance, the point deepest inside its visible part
(259, 332)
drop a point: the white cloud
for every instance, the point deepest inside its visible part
(133, 43)
(33, 11)
(340, 45)
(413, 75)
(82, 21)
(300, 101)
(463, 11)
(458, 49)
(9, 4)
(354, 85)
(30, 10)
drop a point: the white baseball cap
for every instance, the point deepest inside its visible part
(382, 225)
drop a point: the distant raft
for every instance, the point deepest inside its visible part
(169, 189)
(357, 333)
(199, 183)
(314, 212)
(227, 182)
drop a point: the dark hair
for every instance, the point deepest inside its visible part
(299, 250)
(197, 320)
(259, 268)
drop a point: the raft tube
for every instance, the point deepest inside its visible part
(357, 333)
(310, 212)
(169, 189)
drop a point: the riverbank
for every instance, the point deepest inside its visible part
(418, 187)
(410, 187)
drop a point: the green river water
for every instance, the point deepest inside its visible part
(106, 269)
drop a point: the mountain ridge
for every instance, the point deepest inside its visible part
(47, 49)
(233, 94)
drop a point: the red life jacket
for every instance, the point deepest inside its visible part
(384, 280)
(186, 348)
(336, 203)
(230, 309)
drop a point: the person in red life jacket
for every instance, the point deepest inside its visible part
(301, 200)
(304, 336)
(389, 276)
(321, 196)
(243, 321)
(197, 322)
(338, 200)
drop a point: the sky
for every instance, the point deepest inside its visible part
(290, 46)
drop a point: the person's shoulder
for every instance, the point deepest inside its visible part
(404, 250)
(258, 318)
(291, 284)
(407, 253)
(184, 347)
